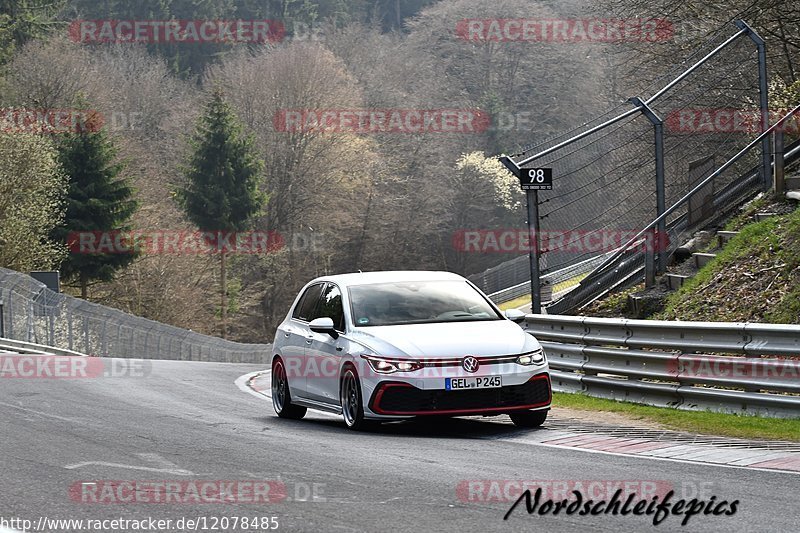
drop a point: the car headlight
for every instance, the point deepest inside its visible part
(532, 358)
(390, 366)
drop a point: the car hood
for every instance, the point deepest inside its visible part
(446, 340)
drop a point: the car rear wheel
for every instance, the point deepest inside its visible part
(529, 419)
(281, 398)
(352, 402)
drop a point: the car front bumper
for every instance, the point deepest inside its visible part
(419, 397)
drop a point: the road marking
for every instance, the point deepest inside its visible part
(244, 385)
(650, 457)
(166, 466)
(33, 411)
(574, 441)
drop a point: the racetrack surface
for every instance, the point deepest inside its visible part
(190, 421)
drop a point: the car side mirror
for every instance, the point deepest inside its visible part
(324, 325)
(515, 315)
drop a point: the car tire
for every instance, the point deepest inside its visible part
(281, 397)
(352, 401)
(529, 419)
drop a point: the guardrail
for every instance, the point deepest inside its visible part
(33, 314)
(29, 347)
(663, 363)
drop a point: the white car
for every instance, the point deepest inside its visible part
(383, 346)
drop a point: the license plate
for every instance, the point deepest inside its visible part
(485, 382)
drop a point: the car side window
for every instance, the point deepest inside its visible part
(331, 306)
(306, 307)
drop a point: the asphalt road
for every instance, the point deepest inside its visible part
(188, 421)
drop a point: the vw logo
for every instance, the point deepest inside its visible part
(470, 364)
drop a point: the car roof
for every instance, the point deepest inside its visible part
(365, 278)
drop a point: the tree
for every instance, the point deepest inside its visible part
(221, 193)
(22, 20)
(99, 199)
(694, 21)
(32, 192)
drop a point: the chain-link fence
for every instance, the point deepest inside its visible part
(33, 313)
(607, 179)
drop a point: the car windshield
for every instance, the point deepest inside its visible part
(418, 302)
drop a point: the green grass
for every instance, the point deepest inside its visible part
(526, 300)
(515, 303)
(615, 304)
(754, 278)
(703, 422)
(746, 216)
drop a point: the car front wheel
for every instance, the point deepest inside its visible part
(352, 403)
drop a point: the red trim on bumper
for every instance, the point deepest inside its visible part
(376, 402)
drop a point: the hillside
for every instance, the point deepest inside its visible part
(755, 278)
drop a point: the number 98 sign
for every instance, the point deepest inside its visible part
(536, 179)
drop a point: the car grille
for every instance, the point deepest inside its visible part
(402, 398)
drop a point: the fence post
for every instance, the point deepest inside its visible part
(779, 179)
(30, 322)
(763, 98)
(2, 317)
(533, 233)
(69, 329)
(650, 261)
(661, 196)
(10, 327)
(86, 336)
(104, 340)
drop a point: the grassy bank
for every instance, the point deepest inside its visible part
(746, 427)
(755, 278)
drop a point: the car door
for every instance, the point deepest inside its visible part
(295, 334)
(324, 352)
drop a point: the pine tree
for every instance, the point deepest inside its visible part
(99, 199)
(221, 192)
